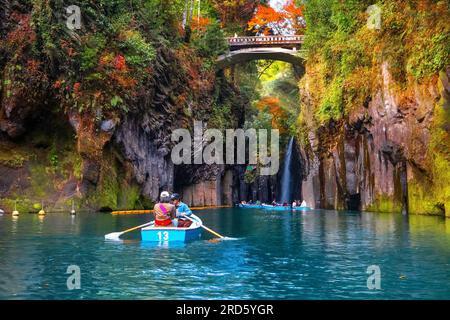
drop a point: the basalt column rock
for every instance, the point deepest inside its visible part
(389, 155)
(151, 162)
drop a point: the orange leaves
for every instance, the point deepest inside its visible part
(124, 81)
(273, 106)
(199, 24)
(23, 34)
(267, 20)
(76, 88)
(120, 63)
(115, 68)
(199, 80)
(57, 84)
(33, 66)
(294, 15)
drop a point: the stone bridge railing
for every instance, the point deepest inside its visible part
(292, 41)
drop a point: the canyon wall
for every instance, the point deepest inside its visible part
(389, 155)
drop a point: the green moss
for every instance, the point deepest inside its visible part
(106, 193)
(129, 198)
(421, 200)
(331, 106)
(431, 194)
(23, 205)
(14, 161)
(41, 180)
(145, 203)
(385, 203)
(13, 157)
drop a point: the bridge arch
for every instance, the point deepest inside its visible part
(245, 55)
(243, 49)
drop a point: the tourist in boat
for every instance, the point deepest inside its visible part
(304, 204)
(294, 204)
(164, 212)
(182, 211)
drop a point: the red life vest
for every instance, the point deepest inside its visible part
(163, 223)
(166, 222)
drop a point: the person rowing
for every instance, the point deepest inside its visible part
(182, 211)
(164, 212)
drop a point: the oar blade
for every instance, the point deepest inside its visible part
(113, 236)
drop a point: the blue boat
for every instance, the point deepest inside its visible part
(276, 208)
(172, 234)
(250, 206)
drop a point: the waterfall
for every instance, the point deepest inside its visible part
(286, 178)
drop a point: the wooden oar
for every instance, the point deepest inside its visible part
(116, 235)
(206, 228)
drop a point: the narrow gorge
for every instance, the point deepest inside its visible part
(86, 116)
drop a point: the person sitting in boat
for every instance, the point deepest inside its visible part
(294, 204)
(304, 204)
(164, 212)
(182, 211)
(274, 203)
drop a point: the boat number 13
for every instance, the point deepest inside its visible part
(163, 236)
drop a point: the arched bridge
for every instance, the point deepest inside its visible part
(243, 49)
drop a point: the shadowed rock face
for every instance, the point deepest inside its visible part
(151, 164)
(370, 160)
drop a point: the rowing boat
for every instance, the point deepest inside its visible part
(276, 208)
(172, 234)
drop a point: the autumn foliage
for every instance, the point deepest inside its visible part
(267, 20)
(199, 24)
(235, 11)
(273, 106)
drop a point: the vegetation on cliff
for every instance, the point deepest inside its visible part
(95, 76)
(345, 72)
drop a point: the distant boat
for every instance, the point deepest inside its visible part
(276, 208)
(250, 206)
(172, 234)
(303, 207)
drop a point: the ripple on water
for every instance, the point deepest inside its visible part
(320, 255)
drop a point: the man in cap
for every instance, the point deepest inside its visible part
(182, 211)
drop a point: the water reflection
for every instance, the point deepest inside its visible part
(288, 255)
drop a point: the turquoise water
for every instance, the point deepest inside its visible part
(315, 255)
